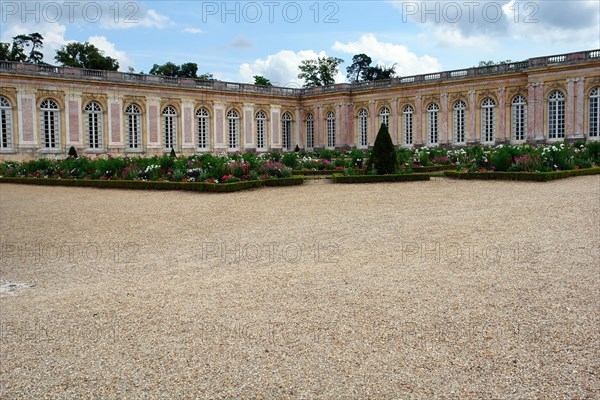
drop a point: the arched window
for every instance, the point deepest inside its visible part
(233, 119)
(203, 128)
(407, 125)
(518, 111)
(93, 126)
(261, 123)
(49, 124)
(556, 115)
(363, 132)
(331, 129)
(459, 122)
(433, 125)
(286, 130)
(594, 117)
(488, 116)
(169, 128)
(133, 127)
(310, 131)
(6, 128)
(384, 117)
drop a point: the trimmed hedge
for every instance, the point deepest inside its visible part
(435, 168)
(339, 178)
(522, 176)
(309, 172)
(157, 185)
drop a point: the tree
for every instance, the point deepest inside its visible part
(378, 73)
(262, 81)
(85, 55)
(319, 72)
(167, 69)
(360, 63)
(188, 70)
(490, 63)
(35, 40)
(383, 155)
(14, 53)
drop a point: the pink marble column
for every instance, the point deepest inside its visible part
(299, 128)
(153, 121)
(472, 134)
(418, 121)
(188, 123)
(579, 107)
(502, 136)
(394, 123)
(73, 116)
(350, 127)
(531, 101)
(374, 128)
(28, 120)
(275, 125)
(569, 109)
(319, 127)
(115, 122)
(539, 112)
(248, 125)
(219, 124)
(443, 139)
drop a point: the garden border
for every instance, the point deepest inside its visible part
(339, 178)
(157, 185)
(522, 176)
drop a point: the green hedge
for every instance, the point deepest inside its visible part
(310, 173)
(158, 185)
(339, 178)
(435, 168)
(523, 176)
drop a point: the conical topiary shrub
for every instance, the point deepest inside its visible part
(173, 153)
(72, 152)
(383, 155)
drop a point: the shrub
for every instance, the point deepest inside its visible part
(383, 156)
(501, 159)
(72, 152)
(290, 160)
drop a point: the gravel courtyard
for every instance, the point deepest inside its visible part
(440, 289)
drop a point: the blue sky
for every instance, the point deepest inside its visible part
(237, 40)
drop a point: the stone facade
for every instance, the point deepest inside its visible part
(45, 110)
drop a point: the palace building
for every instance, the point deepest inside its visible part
(44, 110)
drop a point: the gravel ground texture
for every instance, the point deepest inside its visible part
(440, 289)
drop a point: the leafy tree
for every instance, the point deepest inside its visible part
(383, 155)
(168, 69)
(319, 72)
(379, 72)
(261, 80)
(12, 53)
(188, 70)
(206, 77)
(360, 63)
(36, 41)
(490, 63)
(85, 55)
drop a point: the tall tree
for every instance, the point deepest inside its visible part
(188, 70)
(319, 72)
(12, 53)
(167, 69)
(36, 41)
(85, 55)
(360, 63)
(379, 72)
(262, 81)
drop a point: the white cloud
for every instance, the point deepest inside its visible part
(192, 30)
(281, 68)
(469, 24)
(406, 62)
(109, 49)
(54, 37)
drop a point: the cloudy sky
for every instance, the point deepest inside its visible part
(237, 40)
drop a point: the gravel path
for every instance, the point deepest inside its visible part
(440, 289)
